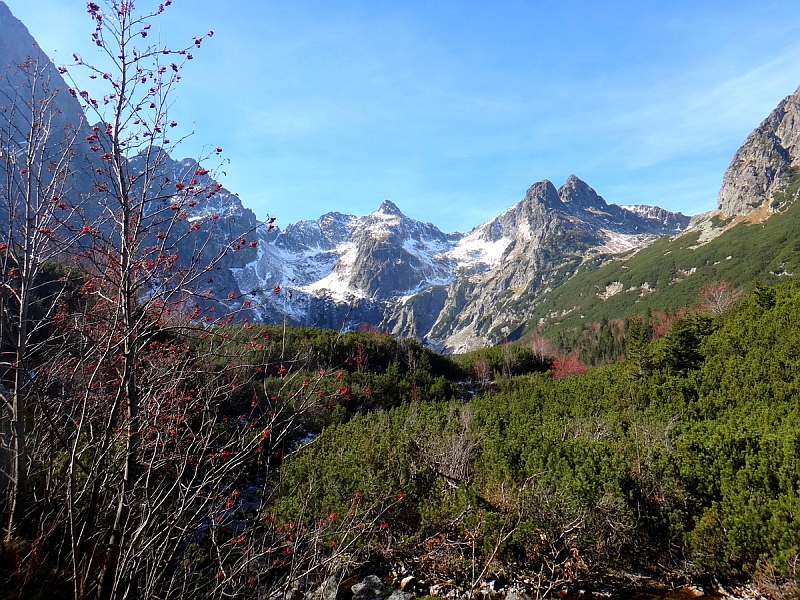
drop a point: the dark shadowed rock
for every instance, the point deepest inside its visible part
(330, 589)
(371, 588)
(19, 56)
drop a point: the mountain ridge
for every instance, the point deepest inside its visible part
(412, 279)
(455, 291)
(751, 235)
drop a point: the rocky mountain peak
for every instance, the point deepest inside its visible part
(387, 220)
(543, 193)
(762, 165)
(335, 226)
(388, 207)
(531, 217)
(579, 195)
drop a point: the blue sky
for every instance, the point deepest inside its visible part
(453, 109)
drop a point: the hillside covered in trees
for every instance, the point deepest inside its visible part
(679, 461)
(321, 453)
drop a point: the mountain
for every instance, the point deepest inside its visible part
(40, 114)
(454, 291)
(562, 258)
(18, 51)
(753, 235)
(671, 273)
(764, 163)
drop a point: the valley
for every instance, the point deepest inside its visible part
(574, 399)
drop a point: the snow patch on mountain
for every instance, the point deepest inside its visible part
(336, 282)
(617, 243)
(475, 249)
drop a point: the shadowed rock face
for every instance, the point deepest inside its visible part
(38, 117)
(761, 166)
(22, 63)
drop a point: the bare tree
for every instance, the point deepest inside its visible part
(36, 151)
(542, 348)
(134, 404)
(716, 297)
(509, 359)
(482, 370)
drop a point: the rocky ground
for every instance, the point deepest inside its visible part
(399, 586)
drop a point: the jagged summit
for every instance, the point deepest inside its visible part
(543, 193)
(390, 208)
(579, 194)
(411, 279)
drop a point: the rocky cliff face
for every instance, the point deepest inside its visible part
(761, 167)
(26, 72)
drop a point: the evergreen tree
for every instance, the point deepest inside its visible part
(682, 350)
